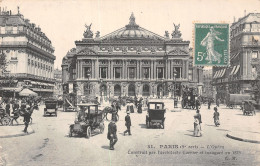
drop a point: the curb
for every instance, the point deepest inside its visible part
(18, 135)
(241, 139)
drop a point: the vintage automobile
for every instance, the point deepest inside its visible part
(51, 107)
(89, 118)
(248, 107)
(155, 115)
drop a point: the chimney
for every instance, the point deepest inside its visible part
(245, 12)
(0, 10)
(10, 12)
(234, 19)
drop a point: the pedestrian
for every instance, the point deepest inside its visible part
(111, 135)
(7, 108)
(197, 124)
(209, 103)
(15, 112)
(27, 119)
(216, 116)
(114, 112)
(197, 103)
(218, 102)
(127, 123)
(139, 110)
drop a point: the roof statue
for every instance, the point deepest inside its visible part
(97, 34)
(166, 34)
(132, 19)
(132, 24)
(88, 33)
(176, 33)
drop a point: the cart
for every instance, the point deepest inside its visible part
(92, 119)
(248, 107)
(234, 100)
(155, 116)
(51, 107)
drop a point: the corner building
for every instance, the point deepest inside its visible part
(127, 62)
(29, 56)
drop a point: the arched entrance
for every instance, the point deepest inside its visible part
(131, 90)
(146, 90)
(117, 90)
(160, 91)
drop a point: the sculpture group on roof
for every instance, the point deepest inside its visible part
(88, 32)
(176, 33)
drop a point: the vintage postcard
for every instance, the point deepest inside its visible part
(129, 83)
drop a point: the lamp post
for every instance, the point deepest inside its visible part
(174, 81)
(88, 76)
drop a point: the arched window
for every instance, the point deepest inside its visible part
(117, 90)
(146, 90)
(131, 90)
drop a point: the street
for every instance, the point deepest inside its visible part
(174, 145)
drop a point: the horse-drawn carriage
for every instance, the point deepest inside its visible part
(88, 119)
(51, 107)
(155, 116)
(188, 99)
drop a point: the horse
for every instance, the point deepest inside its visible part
(109, 110)
(21, 113)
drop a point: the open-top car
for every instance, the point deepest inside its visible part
(155, 115)
(51, 107)
(89, 118)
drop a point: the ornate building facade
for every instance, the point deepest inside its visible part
(29, 56)
(244, 52)
(130, 61)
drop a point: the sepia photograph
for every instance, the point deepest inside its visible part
(129, 82)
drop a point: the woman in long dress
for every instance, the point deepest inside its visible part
(208, 41)
(197, 124)
(216, 116)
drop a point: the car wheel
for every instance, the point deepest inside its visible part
(148, 124)
(101, 128)
(71, 132)
(88, 135)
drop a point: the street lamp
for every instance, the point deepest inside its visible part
(174, 81)
(88, 76)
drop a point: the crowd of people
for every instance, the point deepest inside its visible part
(13, 108)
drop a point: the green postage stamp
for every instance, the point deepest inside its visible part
(211, 44)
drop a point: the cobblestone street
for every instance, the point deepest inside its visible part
(174, 145)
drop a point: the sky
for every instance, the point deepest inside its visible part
(63, 21)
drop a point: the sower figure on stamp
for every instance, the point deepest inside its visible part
(111, 135)
(127, 123)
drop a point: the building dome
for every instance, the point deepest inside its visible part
(132, 31)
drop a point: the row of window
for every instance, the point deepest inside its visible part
(132, 72)
(40, 65)
(253, 27)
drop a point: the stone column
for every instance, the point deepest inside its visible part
(155, 70)
(96, 69)
(137, 69)
(109, 69)
(151, 70)
(123, 69)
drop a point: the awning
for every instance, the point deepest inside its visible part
(216, 73)
(33, 82)
(11, 89)
(219, 72)
(235, 56)
(50, 84)
(233, 70)
(222, 74)
(27, 92)
(238, 66)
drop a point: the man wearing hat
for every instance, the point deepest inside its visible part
(27, 118)
(111, 135)
(128, 123)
